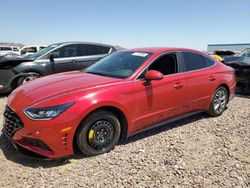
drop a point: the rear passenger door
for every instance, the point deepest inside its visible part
(200, 78)
(90, 54)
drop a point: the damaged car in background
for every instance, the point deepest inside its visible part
(56, 58)
(241, 64)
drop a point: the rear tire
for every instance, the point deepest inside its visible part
(98, 133)
(219, 102)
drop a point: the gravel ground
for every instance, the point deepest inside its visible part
(195, 152)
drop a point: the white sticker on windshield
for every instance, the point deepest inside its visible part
(141, 54)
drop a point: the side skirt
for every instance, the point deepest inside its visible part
(167, 121)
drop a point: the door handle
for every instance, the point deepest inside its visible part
(73, 61)
(212, 78)
(178, 85)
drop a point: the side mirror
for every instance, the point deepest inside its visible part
(52, 57)
(153, 75)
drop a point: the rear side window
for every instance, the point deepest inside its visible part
(209, 62)
(87, 49)
(103, 49)
(193, 61)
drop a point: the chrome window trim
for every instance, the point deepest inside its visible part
(72, 43)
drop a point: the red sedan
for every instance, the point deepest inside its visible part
(121, 95)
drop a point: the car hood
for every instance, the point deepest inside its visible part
(58, 84)
(12, 60)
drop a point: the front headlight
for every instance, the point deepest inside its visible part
(46, 113)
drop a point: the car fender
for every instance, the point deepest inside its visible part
(30, 67)
(103, 104)
(16, 77)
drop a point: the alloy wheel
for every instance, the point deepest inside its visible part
(220, 100)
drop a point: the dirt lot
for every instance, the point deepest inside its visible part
(195, 152)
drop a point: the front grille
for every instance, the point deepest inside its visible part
(12, 122)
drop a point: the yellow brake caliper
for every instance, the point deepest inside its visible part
(91, 134)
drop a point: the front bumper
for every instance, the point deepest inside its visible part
(41, 139)
(30, 154)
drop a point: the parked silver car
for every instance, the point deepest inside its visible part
(60, 57)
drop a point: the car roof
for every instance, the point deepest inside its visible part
(162, 49)
(79, 42)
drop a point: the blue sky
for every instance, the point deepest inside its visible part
(128, 23)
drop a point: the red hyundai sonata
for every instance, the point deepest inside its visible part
(121, 95)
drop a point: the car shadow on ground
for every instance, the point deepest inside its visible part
(13, 155)
(165, 127)
(243, 96)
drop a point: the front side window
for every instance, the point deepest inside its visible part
(67, 51)
(119, 64)
(193, 61)
(166, 64)
(245, 53)
(42, 51)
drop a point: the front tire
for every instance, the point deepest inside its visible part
(98, 133)
(219, 102)
(28, 78)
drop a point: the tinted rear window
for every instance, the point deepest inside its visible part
(193, 61)
(86, 49)
(103, 49)
(209, 62)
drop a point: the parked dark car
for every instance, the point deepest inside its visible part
(241, 64)
(60, 57)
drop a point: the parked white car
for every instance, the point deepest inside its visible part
(28, 50)
(4, 50)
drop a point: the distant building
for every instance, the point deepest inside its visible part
(211, 48)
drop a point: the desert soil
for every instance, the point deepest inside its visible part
(199, 151)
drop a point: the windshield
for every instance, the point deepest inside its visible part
(119, 64)
(41, 52)
(245, 53)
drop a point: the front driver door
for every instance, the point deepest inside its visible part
(66, 59)
(159, 100)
